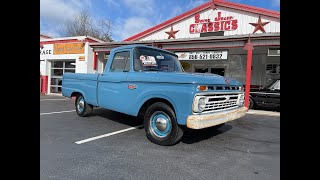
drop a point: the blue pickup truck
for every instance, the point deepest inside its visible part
(150, 83)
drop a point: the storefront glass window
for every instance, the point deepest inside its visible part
(69, 70)
(58, 68)
(57, 64)
(273, 68)
(56, 81)
(55, 89)
(56, 72)
(69, 65)
(201, 70)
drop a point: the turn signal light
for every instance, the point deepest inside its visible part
(203, 88)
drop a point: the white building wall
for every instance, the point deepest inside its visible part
(81, 66)
(48, 48)
(101, 60)
(43, 68)
(84, 66)
(89, 59)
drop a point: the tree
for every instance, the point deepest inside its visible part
(84, 25)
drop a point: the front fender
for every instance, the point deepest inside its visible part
(180, 100)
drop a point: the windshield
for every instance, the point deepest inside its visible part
(269, 84)
(147, 59)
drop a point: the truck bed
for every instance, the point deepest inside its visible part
(83, 83)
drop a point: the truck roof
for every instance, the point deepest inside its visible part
(140, 45)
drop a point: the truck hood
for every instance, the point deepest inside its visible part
(185, 78)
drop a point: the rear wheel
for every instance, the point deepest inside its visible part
(161, 125)
(82, 107)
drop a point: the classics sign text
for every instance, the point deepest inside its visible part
(220, 23)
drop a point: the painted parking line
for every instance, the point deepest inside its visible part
(106, 135)
(53, 99)
(56, 112)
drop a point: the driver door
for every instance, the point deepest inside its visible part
(112, 85)
(273, 95)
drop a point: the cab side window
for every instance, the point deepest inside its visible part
(121, 62)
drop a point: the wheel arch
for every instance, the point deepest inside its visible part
(76, 93)
(153, 100)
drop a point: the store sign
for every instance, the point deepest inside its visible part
(82, 58)
(68, 48)
(203, 55)
(219, 23)
(274, 52)
(46, 51)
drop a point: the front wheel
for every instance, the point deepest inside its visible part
(82, 107)
(161, 125)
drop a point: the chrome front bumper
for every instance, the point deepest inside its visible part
(213, 119)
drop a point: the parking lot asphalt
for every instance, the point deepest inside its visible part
(247, 148)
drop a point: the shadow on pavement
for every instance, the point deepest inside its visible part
(272, 109)
(117, 117)
(193, 136)
(190, 135)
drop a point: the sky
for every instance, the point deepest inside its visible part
(128, 17)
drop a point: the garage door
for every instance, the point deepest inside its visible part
(58, 68)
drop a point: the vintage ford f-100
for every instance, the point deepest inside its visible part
(151, 84)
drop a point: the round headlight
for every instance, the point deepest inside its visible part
(201, 104)
(241, 99)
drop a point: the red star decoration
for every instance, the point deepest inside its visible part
(212, 5)
(259, 25)
(172, 33)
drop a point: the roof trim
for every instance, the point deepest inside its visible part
(45, 36)
(95, 39)
(262, 36)
(209, 38)
(205, 48)
(72, 38)
(232, 5)
(168, 22)
(247, 8)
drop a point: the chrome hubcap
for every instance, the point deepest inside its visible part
(161, 124)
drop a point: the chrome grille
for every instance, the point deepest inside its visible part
(222, 101)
